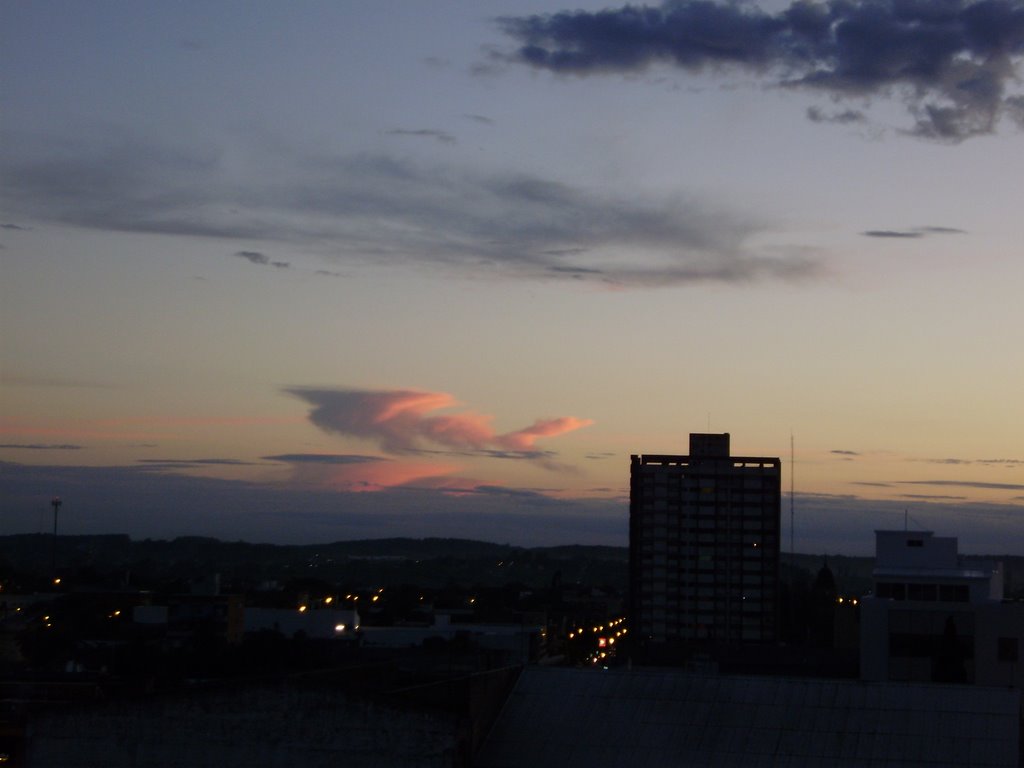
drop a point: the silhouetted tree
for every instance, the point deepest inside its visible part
(822, 608)
(948, 664)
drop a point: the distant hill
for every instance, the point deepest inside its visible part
(427, 562)
(116, 558)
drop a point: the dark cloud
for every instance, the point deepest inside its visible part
(601, 455)
(328, 273)
(929, 496)
(253, 257)
(261, 259)
(480, 119)
(191, 463)
(165, 505)
(942, 231)
(891, 233)
(844, 117)
(564, 251)
(1014, 107)
(380, 210)
(913, 233)
(949, 61)
(323, 458)
(428, 133)
(521, 495)
(41, 446)
(985, 462)
(576, 271)
(966, 484)
(845, 453)
(148, 504)
(14, 227)
(873, 485)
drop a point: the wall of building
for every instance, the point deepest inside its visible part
(270, 726)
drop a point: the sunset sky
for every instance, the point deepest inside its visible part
(324, 270)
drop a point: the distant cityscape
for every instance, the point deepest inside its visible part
(704, 616)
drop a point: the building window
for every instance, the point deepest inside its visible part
(921, 592)
(1008, 649)
(915, 542)
(953, 593)
(893, 591)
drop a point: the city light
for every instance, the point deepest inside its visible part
(339, 627)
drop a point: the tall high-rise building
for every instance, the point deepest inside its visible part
(704, 535)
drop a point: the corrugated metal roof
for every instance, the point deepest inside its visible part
(648, 718)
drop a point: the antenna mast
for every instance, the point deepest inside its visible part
(792, 495)
(55, 503)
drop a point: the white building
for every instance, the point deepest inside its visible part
(938, 616)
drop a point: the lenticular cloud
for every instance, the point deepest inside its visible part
(405, 421)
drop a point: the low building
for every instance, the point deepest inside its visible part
(938, 616)
(315, 624)
(182, 616)
(512, 643)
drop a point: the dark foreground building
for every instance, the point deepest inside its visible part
(670, 718)
(704, 550)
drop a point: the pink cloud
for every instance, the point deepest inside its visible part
(379, 475)
(523, 439)
(403, 421)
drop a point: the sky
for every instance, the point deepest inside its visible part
(328, 270)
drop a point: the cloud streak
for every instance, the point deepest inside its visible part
(912, 233)
(261, 259)
(323, 458)
(192, 463)
(966, 484)
(442, 137)
(950, 62)
(411, 421)
(41, 446)
(382, 211)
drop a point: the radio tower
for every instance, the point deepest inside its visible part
(792, 497)
(56, 502)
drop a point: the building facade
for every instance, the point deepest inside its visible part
(704, 533)
(938, 616)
